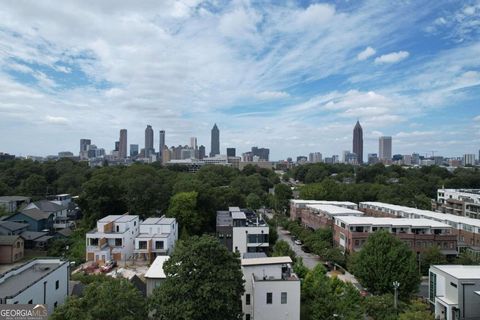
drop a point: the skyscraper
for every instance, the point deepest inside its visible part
(358, 142)
(84, 143)
(231, 152)
(201, 152)
(149, 141)
(193, 143)
(385, 148)
(133, 150)
(161, 145)
(215, 143)
(122, 148)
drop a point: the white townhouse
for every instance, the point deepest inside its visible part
(113, 239)
(157, 237)
(272, 290)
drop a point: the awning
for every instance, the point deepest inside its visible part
(446, 302)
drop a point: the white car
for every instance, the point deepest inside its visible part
(298, 242)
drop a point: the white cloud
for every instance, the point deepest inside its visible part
(272, 95)
(56, 120)
(477, 118)
(365, 54)
(393, 57)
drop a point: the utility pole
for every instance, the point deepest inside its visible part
(396, 285)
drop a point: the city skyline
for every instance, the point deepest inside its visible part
(411, 73)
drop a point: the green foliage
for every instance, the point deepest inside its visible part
(417, 310)
(282, 248)
(382, 307)
(253, 201)
(183, 208)
(283, 194)
(108, 299)
(431, 256)
(383, 260)
(329, 298)
(204, 281)
(299, 268)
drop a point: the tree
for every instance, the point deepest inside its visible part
(204, 281)
(283, 194)
(381, 307)
(429, 257)
(107, 299)
(35, 186)
(282, 248)
(253, 201)
(327, 298)
(183, 207)
(417, 311)
(383, 260)
(299, 268)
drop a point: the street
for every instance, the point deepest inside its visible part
(309, 260)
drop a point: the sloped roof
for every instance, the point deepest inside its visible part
(12, 226)
(66, 232)
(8, 240)
(32, 235)
(36, 214)
(48, 206)
(13, 198)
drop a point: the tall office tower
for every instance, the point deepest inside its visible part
(201, 152)
(84, 143)
(215, 142)
(122, 148)
(161, 146)
(469, 159)
(117, 145)
(385, 148)
(133, 150)
(193, 143)
(149, 141)
(231, 152)
(261, 153)
(358, 142)
(315, 157)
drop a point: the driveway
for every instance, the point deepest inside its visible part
(309, 260)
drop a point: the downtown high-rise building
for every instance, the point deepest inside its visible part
(358, 142)
(133, 150)
(385, 148)
(161, 146)
(315, 157)
(149, 150)
(193, 143)
(84, 143)
(201, 152)
(215, 141)
(122, 148)
(231, 152)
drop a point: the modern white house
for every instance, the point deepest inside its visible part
(460, 202)
(157, 237)
(272, 290)
(39, 281)
(155, 275)
(113, 239)
(242, 230)
(454, 291)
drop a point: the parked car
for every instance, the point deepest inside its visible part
(298, 242)
(109, 265)
(306, 249)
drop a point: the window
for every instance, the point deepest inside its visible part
(142, 244)
(159, 245)
(55, 305)
(57, 284)
(269, 297)
(247, 316)
(30, 301)
(453, 284)
(247, 299)
(433, 286)
(283, 298)
(94, 241)
(118, 242)
(117, 228)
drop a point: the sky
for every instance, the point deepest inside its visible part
(292, 76)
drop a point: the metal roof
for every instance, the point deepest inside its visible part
(265, 261)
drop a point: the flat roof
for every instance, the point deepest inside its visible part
(351, 220)
(334, 210)
(238, 215)
(460, 271)
(13, 198)
(156, 269)
(234, 209)
(338, 203)
(427, 214)
(118, 218)
(224, 218)
(12, 282)
(158, 221)
(156, 235)
(267, 260)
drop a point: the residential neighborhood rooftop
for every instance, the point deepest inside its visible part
(13, 198)
(8, 240)
(334, 210)
(118, 218)
(17, 279)
(12, 226)
(156, 269)
(337, 203)
(351, 220)
(160, 220)
(460, 271)
(36, 214)
(266, 260)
